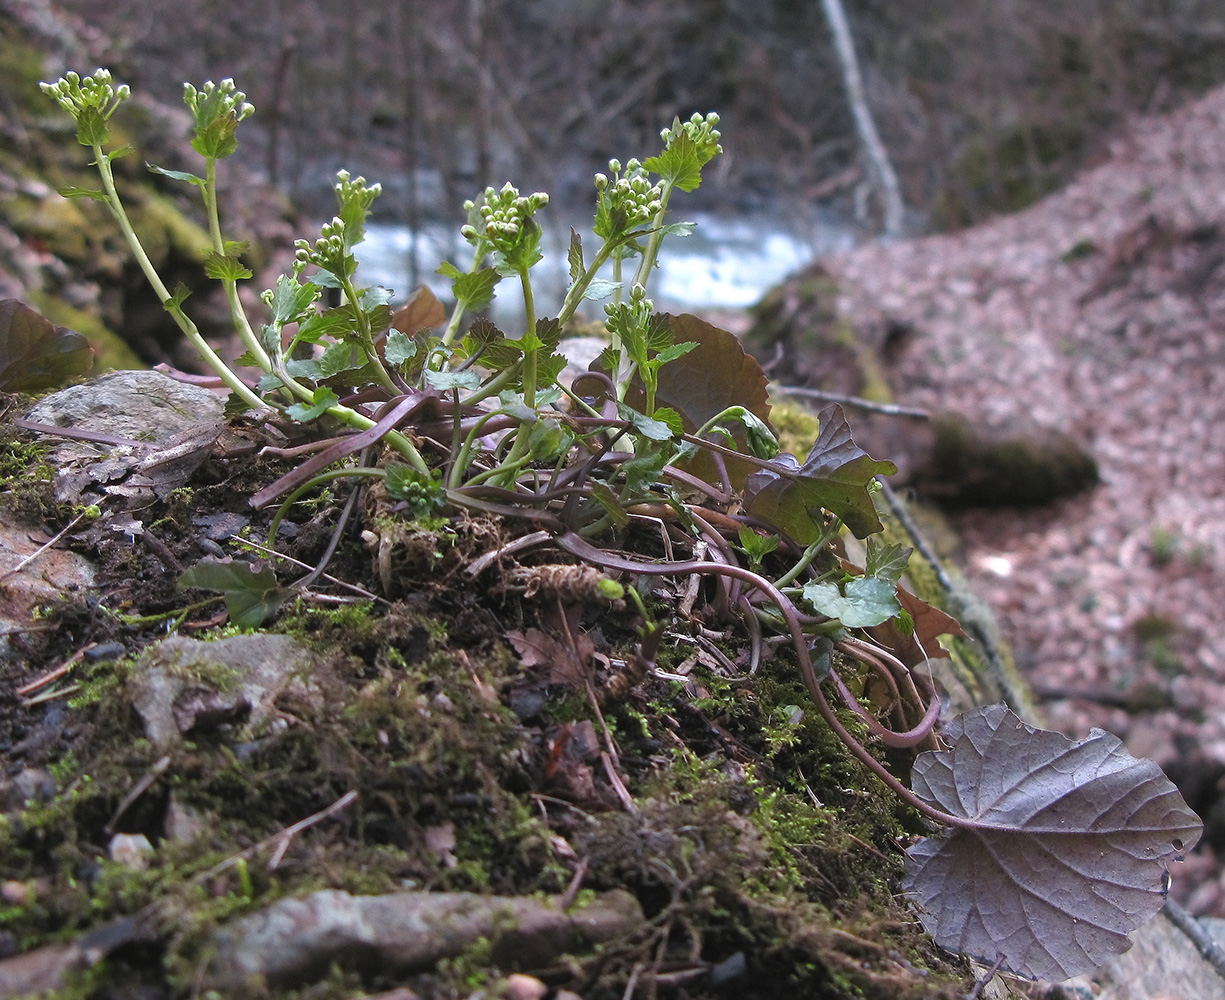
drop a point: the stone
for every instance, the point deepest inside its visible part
(296, 940)
(157, 432)
(46, 578)
(187, 686)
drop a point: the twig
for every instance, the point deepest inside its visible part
(279, 837)
(93, 437)
(614, 779)
(981, 984)
(51, 675)
(1209, 950)
(303, 582)
(478, 565)
(138, 789)
(43, 548)
(858, 402)
(51, 695)
(359, 591)
(633, 982)
(566, 900)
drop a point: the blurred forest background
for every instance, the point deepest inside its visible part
(983, 105)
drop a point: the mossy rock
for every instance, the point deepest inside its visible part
(798, 331)
(970, 466)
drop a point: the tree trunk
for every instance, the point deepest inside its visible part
(878, 158)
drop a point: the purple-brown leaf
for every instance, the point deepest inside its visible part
(1068, 853)
(707, 380)
(834, 476)
(35, 354)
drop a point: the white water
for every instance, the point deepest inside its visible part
(725, 263)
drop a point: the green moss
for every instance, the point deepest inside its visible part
(796, 426)
(27, 479)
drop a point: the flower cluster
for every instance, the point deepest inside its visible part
(626, 202)
(216, 99)
(330, 252)
(505, 214)
(217, 109)
(91, 101)
(355, 191)
(636, 313)
(701, 132)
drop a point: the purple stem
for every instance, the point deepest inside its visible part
(580, 547)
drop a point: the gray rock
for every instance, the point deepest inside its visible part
(296, 940)
(183, 686)
(46, 578)
(157, 431)
(141, 405)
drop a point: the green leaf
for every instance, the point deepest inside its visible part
(375, 295)
(642, 471)
(482, 333)
(379, 319)
(607, 499)
(548, 440)
(524, 254)
(530, 342)
(575, 256)
(474, 290)
(679, 229)
(886, 560)
(224, 267)
(81, 192)
(756, 546)
(399, 348)
(92, 128)
(330, 323)
(177, 297)
(449, 381)
(304, 368)
(680, 163)
(674, 351)
(549, 332)
(291, 301)
(247, 359)
(667, 415)
(324, 399)
(341, 357)
(864, 601)
(216, 139)
(548, 368)
(252, 593)
(652, 430)
(325, 279)
(177, 175)
(35, 354)
(601, 288)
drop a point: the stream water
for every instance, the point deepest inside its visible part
(726, 263)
